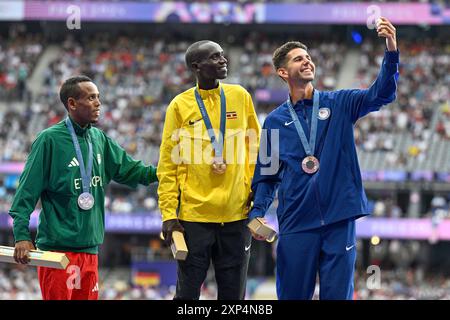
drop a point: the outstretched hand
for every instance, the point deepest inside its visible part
(386, 30)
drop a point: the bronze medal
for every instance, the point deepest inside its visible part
(310, 164)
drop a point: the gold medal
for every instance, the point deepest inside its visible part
(219, 166)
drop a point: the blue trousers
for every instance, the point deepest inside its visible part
(329, 251)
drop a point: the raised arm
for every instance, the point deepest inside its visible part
(383, 89)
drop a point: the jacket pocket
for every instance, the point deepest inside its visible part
(195, 153)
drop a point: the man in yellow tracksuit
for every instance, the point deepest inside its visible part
(204, 179)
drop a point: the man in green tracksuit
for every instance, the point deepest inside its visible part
(68, 168)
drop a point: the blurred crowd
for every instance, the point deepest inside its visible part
(409, 284)
(138, 76)
(19, 53)
(423, 93)
(19, 283)
(388, 207)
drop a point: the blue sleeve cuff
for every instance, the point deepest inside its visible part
(255, 213)
(392, 56)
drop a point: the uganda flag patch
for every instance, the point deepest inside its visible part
(231, 115)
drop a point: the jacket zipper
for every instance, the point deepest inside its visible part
(322, 221)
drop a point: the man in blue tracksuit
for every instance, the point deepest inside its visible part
(308, 153)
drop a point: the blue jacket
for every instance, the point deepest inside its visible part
(335, 192)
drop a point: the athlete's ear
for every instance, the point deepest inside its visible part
(282, 73)
(195, 67)
(71, 103)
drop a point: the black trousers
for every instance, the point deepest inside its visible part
(227, 246)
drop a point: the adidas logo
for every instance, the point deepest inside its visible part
(95, 289)
(74, 163)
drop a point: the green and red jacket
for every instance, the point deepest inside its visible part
(52, 174)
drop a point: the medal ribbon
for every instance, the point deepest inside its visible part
(216, 143)
(86, 176)
(309, 147)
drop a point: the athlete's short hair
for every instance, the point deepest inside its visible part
(71, 89)
(279, 56)
(192, 52)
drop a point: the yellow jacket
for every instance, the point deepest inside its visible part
(187, 185)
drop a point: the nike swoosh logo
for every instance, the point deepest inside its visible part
(288, 123)
(348, 248)
(191, 122)
(247, 248)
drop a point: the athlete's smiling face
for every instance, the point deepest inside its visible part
(211, 64)
(85, 108)
(298, 67)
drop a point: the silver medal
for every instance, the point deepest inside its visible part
(85, 201)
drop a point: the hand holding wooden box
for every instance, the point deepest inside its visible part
(39, 258)
(177, 245)
(259, 227)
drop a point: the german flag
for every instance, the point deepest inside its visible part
(146, 279)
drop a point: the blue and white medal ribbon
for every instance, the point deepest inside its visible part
(219, 166)
(85, 200)
(310, 164)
